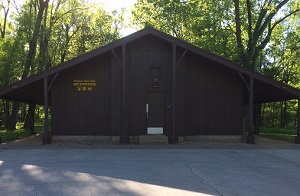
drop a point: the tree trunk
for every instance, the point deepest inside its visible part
(273, 114)
(23, 112)
(296, 119)
(284, 122)
(262, 118)
(283, 117)
(238, 32)
(33, 41)
(3, 29)
(6, 114)
(14, 116)
(29, 120)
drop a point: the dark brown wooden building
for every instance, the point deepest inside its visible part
(148, 83)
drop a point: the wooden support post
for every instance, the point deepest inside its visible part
(250, 137)
(119, 62)
(46, 136)
(297, 139)
(173, 139)
(50, 86)
(124, 137)
(177, 65)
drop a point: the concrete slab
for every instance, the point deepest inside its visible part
(35, 141)
(153, 139)
(155, 170)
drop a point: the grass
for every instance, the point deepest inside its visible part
(8, 135)
(287, 134)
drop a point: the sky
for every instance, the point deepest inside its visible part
(116, 4)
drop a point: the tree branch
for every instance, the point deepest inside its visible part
(270, 16)
(69, 11)
(285, 17)
(271, 28)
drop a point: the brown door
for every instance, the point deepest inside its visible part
(155, 112)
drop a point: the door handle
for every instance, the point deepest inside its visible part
(147, 111)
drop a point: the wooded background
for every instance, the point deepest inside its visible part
(261, 35)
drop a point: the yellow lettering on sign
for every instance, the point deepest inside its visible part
(84, 85)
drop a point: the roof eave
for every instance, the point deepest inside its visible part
(164, 36)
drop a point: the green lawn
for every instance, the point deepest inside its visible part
(279, 134)
(7, 135)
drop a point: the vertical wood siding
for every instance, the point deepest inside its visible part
(141, 56)
(116, 93)
(83, 113)
(214, 99)
(208, 96)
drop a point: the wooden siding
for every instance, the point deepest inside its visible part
(209, 99)
(83, 113)
(141, 56)
(214, 99)
(116, 92)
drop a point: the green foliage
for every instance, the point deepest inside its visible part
(280, 114)
(207, 24)
(8, 135)
(279, 134)
(69, 28)
(288, 131)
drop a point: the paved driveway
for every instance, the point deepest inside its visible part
(104, 171)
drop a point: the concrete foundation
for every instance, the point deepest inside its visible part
(82, 139)
(115, 139)
(148, 139)
(211, 138)
(173, 139)
(153, 139)
(250, 139)
(134, 139)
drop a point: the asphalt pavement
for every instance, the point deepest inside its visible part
(150, 170)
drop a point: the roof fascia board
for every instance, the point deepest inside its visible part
(228, 63)
(163, 36)
(74, 61)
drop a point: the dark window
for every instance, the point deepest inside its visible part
(154, 72)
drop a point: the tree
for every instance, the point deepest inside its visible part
(3, 25)
(207, 24)
(282, 64)
(41, 5)
(261, 19)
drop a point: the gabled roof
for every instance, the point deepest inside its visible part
(266, 89)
